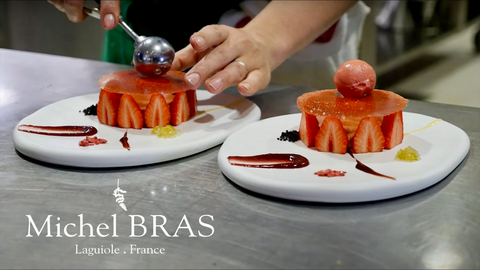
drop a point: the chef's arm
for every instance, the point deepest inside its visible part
(286, 27)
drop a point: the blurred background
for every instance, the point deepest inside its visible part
(425, 50)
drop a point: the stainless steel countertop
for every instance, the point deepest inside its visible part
(434, 228)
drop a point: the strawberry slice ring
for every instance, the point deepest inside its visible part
(128, 100)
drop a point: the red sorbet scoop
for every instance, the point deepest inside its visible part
(355, 79)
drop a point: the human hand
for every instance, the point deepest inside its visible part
(222, 56)
(109, 11)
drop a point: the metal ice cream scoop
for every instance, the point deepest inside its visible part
(152, 57)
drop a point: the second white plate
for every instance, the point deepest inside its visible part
(441, 147)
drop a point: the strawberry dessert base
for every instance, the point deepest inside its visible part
(127, 100)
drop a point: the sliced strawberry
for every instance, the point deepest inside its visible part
(392, 128)
(331, 137)
(129, 114)
(157, 112)
(308, 129)
(179, 109)
(368, 137)
(192, 101)
(107, 107)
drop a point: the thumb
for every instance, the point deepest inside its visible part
(109, 13)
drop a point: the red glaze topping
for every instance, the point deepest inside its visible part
(130, 82)
(329, 104)
(66, 131)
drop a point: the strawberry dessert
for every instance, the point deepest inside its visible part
(128, 100)
(354, 116)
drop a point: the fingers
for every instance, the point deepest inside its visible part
(201, 43)
(58, 4)
(74, 10)
(109, 11)
(209, 36)
(221, 52)
(255, 81)
(232, 74)
(187, 57)
(213, 61)
(221, 56)
(235, 74)
(109, 14)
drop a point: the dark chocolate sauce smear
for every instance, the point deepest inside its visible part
(364, 168)
(272, 161)
(59, 130)
(124, 141)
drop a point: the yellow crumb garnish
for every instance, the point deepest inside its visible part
(166, 131)
(408, 154)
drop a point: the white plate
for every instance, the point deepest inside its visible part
(441, 147)
(200, 133)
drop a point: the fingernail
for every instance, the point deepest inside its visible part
(216, 84)
(193, 78)
(200, 41)
(247, 88)
(108, 21)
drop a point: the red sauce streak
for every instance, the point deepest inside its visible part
(271, 161)
(124, 141)
(59, 130)
(364, 168)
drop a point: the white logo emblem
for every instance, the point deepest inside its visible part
(119, 196)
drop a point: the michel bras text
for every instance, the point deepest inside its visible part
(137, 227)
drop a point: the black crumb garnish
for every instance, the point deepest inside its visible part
(291, 136)
(92, 110)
